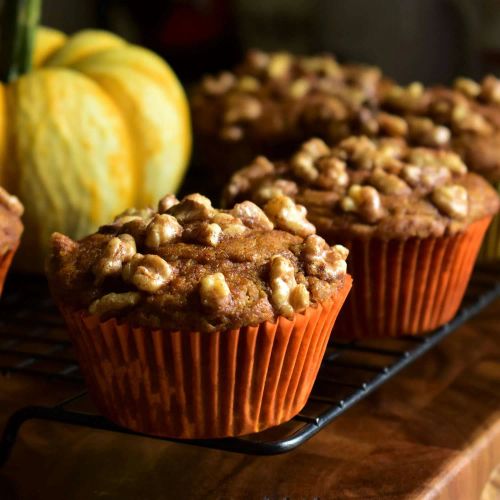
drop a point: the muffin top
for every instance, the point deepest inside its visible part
(188, 266)
(362, 187)
(11, 226)
(465, 118)
(281, 97)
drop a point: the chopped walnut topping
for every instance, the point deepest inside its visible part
(273, 189)
(252, 216)
(490, 89)
(392, 125)
(192, 208)
(114, 302)
(452, 200)
(324, 262)
(118, 250)
(332, 173)
(364, 200)
(389, 183)
(464, 119)
(148, 273)
(406, 98)
(231, 133)
(248, 84)
(448, 159)
(162, 229)
(428, 176)
(425, 132)
(243, 179)
(299, 298)
(468, 87)
(316, 148)
(288, 216)
(204, 233)
(217, 85)
(279, 65)
(299, 88)
(242, 108)
(167, 202)
(215, 295)
(358, 150)
(282, 281)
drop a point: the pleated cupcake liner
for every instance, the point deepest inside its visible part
(198, 384)
(490, 249)
(407, 287)
(5, 262)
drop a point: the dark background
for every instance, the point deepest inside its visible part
(429, 40)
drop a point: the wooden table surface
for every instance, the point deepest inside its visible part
(431, 432)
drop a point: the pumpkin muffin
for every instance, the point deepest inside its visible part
(272, 102)
(465, 118)
(194, 322)
(413, 219)
(11, 229)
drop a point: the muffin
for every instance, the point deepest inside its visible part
(194, 322)
(272, 102)
(465, 119)
(413, 220)
(11, 229)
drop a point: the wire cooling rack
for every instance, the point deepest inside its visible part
(33, 341)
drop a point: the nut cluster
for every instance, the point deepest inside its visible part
(143, 264)
(358, 176)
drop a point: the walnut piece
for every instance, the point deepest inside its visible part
(242, 108)
(204, 233)
(365, 201)
(428, 176)
(167, 202)
(147, 272)
(252, 216)
(217, 85)
(468, 87)
(288, 216)
(325, 262)
(392, 125)
(193, 207)
(406, 98)
(248, 84)
(118, 250)
(490, 89)
(388, 183)
(279, 65)
(299, 88)
(332, 173)
(114, 302)
(286, 296)
(452, 200)
(359, 151)
(162, 229)
(214, 292)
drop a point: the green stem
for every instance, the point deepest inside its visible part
(18, 27)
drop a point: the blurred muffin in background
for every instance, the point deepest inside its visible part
(274, 101)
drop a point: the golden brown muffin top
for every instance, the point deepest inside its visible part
(11, 226)
(465, 118)
(279, 96)
(361, 187)
(189, 266)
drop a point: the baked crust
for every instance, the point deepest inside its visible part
(191, 267)
(363, 188)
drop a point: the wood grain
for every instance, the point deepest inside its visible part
(432, 432)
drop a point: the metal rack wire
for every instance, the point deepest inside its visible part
(33, 341)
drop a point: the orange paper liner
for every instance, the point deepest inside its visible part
(5, 262)
(407, 287)
(490, 249)
(203, 385)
